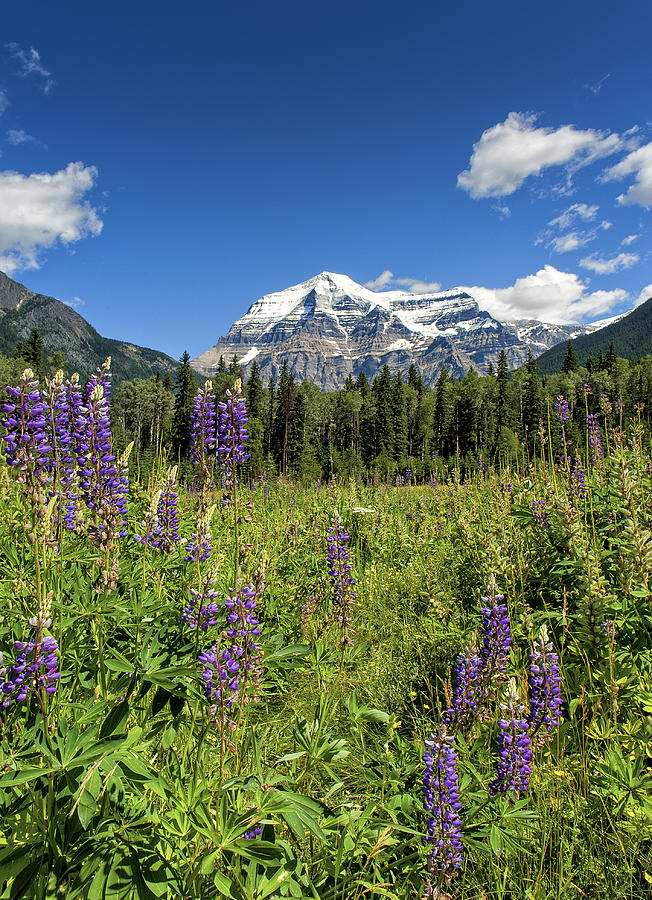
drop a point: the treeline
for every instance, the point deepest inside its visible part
(393, 424)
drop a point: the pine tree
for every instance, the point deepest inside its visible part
(611, 358)
(443, 411)
(570, 363)
(186, 389)
(399, 419)
(502, 394)
(532, 398)
(382, 391)
(268, 439)
(283, 418)
(33, 353)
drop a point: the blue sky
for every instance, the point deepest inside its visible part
(163, 165)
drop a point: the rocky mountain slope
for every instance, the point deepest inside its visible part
(329, 327)
(631, 336)
(63, 329)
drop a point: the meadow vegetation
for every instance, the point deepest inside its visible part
(244, 685)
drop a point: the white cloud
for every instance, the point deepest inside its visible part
(645, 294)
(576, 211)
(605, 224)
(29, 63)
(17, 136)
(570, 241)
(40, 209)
(597, 87)
(511, 151)
(381, 282)
(387, 280)
(74, 302)
(638, 163)
(609, 266)
(4, 101)
(550, 296)
(629, 240)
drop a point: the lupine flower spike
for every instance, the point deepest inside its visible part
(514, 747)
(442, 806)
(545, 689)
(339, 570)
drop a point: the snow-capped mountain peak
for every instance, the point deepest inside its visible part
(329, 326)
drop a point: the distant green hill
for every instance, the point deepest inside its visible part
(631, 337)
(63, 329)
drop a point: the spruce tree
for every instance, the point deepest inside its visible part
(33, 353)
(382, 391)
(399, 419)
(570, 363)
(186, 389)
(283, 417)
(442, 411)
(532, 398)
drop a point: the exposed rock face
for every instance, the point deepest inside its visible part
(63, 329)
(329, 327)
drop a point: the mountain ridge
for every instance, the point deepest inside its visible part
(329, 327)
(62, 328)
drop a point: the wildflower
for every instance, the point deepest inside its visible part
(595, 443)
(442, 806)
(232, 432)
(243, 629)
(339, 569)
(162, 520)
(467, 690)
(514, 747)
(35, 666)
(220, 675)
(605, 404)
(202, 610)
(560, 408)
(578, 480)
(545, 687)
(540, 514)
(26, 447)
(493, 657)
(203, 424)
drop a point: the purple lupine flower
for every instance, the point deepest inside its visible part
(442, 806)
(408, 476)
(103, 483)
(595, 443)
(560, 408)
(540, 514)
(201, 611)
(339, 570)
(467, 690)
(35, 667)
(61, 427)
(243, 630)
(481, 465)
(232, 433)
(199, 548)
(605, 404)
(203, 424)
(578, 480)
(505, 487)
(161, 525)
(220, 675)
(514, 747)
(27, 450)
(545, 688)
(253, 833)
(496, 641)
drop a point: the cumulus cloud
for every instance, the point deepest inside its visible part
(29, 63)
(387, 280)
(38, 210)
(511, 151)
(645, 294)
(550, 296)
(609, 266)
(384, 279)
(638, 163)
(577, 211)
